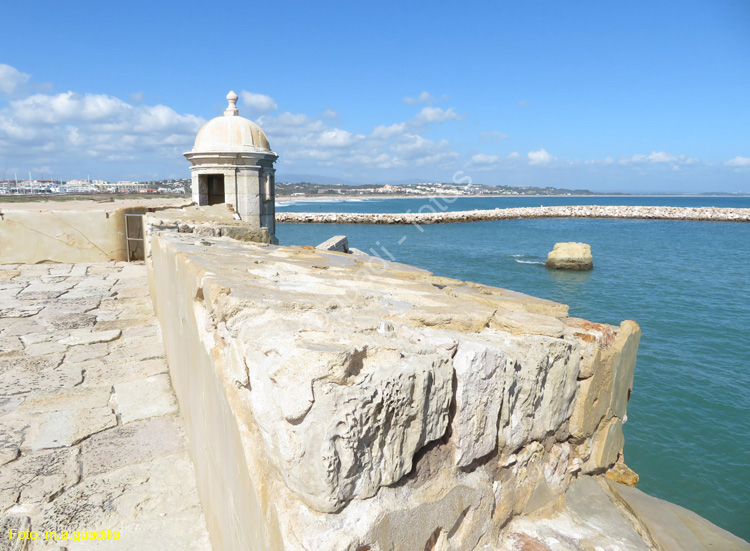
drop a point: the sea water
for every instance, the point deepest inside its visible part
(455, 203)
(686, 283)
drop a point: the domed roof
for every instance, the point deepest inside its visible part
(231, 133)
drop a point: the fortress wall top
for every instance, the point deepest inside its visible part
(345, 402)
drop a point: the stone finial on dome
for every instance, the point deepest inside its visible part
(231, 110)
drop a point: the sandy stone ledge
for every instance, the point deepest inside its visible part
(429, 216)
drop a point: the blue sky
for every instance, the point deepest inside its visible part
(628, 96)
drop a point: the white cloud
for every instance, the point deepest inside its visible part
(484, 159)
(385, 132)
(287, 125)
(416, 150)
(660, 157)
(738, 162)
(137, 97)
(68, 128)
(11, 80)
(655, 157)
(313, 140)
(494, 136)
(259, 104)
(524, 103)
(424, 97)
(337, 137)
(436, 114)
(329, 114)
(540, 157)
(68, 106)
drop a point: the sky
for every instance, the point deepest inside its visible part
(610, 96)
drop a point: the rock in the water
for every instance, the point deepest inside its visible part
(570, 256)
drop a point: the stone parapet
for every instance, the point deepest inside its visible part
(205, 221)
(65, 236)
(342, 402)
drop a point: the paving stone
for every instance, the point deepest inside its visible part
(129, 354)
(78, 293)
(64, 428)
(147, 503)
(59, 365)
(10, 291)
(45, 291)
(133, 270)
(42, 348)
(103, 269)
(151, 330)
(131, 291)
(103, 323)
(109, 370)
(85, 336)
(60, 269)
(83, 353)
(28, 373)
(43, 336)
(12, 432)
(22, 327)
(80, 305)
(38, 477)
(53, 279)
(9, 404)
(137, 442)
(19, 311)
(78, 397)
(144, 398)
(72, 320)
(8, 454)
(12, 522)
(92, 282)
(79, 270)
(7, 275)
(10, 346)
(38, 286)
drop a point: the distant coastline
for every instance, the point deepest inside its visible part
(295, 199)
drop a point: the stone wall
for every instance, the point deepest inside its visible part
(429, 214)
(339, 402)
(67, 236)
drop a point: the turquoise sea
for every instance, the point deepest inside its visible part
(686, 283)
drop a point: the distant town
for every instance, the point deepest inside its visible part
(22, 190)
(284, 189)
(92, 187)
(309, 189)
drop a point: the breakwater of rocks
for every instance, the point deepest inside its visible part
(714, 214)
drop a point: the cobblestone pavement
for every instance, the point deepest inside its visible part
(90, 432)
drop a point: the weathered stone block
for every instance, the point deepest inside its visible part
(570, 256)
(144, 398)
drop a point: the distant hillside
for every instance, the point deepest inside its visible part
(314, 188)
(318, 179)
